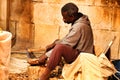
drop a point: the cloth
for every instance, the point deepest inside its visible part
(5, 50)
(80, 35)
(88, 67)
(48, 54)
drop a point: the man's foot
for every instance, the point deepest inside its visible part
(34, 61)
(42, 59)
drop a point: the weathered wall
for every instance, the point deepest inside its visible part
(20, 23)
(104, 16)
(36, 23)
(15, 16)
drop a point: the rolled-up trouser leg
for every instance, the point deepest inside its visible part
(48, 54)
(60, 50)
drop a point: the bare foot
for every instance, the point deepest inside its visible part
(38, 61)
(33, 61)
(42, 59)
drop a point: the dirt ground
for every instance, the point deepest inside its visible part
(19, 67)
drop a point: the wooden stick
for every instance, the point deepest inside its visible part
(108, 46)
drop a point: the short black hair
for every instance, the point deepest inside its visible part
(70, 8)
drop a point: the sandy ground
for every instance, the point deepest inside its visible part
(18, 62)
(19, 66)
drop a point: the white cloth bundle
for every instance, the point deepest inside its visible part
(88, 67)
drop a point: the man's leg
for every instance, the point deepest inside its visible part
(58, 52)
(38, 61)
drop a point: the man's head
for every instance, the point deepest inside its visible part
(69, 11)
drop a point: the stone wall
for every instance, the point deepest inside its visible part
(39, 22)
(20, 24)
(104, 16)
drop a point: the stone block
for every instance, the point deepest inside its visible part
(52, 13)
(3, 14)
(100, 17)
(34, 72)
(45, 34)
(115, 19)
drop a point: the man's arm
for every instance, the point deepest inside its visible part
(73, 36)
(51, 46)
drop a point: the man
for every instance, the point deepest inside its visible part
(79, 39)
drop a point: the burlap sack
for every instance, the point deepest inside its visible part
(5, 50)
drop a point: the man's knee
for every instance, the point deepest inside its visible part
(60, 46)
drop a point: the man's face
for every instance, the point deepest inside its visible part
(66, 18)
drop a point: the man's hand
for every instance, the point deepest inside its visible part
(49, 47)
(33, 61)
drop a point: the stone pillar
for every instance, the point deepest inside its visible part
(3, 14)
(5, 50)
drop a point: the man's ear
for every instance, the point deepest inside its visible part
(72, 16)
